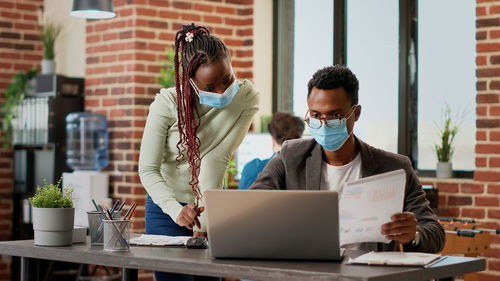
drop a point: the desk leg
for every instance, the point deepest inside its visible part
(128, 274)
(28, 267)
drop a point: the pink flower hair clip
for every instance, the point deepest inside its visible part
(190, 36)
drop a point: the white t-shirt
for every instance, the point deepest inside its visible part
(334, 177)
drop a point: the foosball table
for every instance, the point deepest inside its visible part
(466, 237)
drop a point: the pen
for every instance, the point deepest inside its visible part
(121, 206)
(114, 206)
(95, 205)
(128, 212)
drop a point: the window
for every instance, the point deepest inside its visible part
(372, 54)
(313, 46)
(446, 65)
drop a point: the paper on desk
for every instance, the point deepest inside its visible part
(394, 258)
(366, 204)
(159, 240)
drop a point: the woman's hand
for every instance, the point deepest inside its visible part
(402, 227)
(188, 217)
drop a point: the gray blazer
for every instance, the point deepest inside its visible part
(298, 166)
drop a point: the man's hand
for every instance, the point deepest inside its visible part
(402, 227)
(188, 217)
(196, 234)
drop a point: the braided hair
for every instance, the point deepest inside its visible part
(194, 46)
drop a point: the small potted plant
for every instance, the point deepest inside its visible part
(444, 150)
(48, 34)
(53, 215)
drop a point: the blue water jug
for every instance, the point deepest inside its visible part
(86, 141)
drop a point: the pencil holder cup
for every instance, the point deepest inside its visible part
(96, 227)
(116, 235)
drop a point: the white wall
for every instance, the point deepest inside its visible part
(70, 45)
(263, 56)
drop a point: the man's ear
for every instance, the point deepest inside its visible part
(357, 112)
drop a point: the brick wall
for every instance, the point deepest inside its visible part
(123, 57)
(20, 50)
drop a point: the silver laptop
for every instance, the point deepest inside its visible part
(264, 224)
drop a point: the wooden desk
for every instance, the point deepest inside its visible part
(199, 262)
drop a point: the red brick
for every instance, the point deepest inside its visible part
(494, 162)
(488, 148)
(204, 8)
(91, 102)
(181, 5)
(169, 14)
(145, 34)
(480, 135)
(157, 24)
(109, 36)
(481, 85)
(473, 213)
(236, 63)
(101, 27)
(480, 11)
(488, 72)
(493, 188)
(472, 188)
(159, 3)
(494, 214)
(447, 187)
(190, 17)
(245, 32)
(10, 15)
(26, 7)
(459, 200)
(486, 201)
(117, 68)
(487, 22)
(480, 161)
(245, 12)
(225, 10)
(487, 176)
(493, 34)
(487, 98)
(493, 10)
(212, 19)
(240, 2)
(487, 123)
(247, 22)
(6, 4)
(246, 53)
(108, 58)
(167, 36)
(124, 12)
(92, 39)
(487, 47)
(146, 57)
(487, 276)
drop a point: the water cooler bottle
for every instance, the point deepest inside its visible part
(86, 154)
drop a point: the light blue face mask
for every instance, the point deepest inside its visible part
(217, 100)
(331, 137)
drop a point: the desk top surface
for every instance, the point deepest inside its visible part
(199, 262)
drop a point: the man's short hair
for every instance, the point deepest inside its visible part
(285, 126)
(333, 77)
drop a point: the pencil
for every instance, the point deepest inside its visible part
(401, 247)
(114, 206)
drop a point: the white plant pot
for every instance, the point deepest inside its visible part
(444, 170)
(53, 226)
(48, 66)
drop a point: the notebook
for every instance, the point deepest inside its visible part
(278, 224)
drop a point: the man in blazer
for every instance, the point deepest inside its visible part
(335, 156)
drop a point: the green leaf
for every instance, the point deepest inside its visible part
(51, 196)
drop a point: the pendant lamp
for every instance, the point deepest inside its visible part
(93, 9)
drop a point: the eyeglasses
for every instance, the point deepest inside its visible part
(331, 120)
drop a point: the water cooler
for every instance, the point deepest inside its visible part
(86, 154)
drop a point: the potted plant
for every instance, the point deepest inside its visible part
(48, 34)
(53, 215)
(15, 94)
(167, 78)
(444, 150)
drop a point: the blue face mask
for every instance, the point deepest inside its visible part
(331, 137)
(217, 100)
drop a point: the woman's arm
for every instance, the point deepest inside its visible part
(162, 116)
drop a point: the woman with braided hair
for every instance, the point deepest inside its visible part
(190, 135)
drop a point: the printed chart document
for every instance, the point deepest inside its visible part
(366, 204)
(159, 240)
(394, 258)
